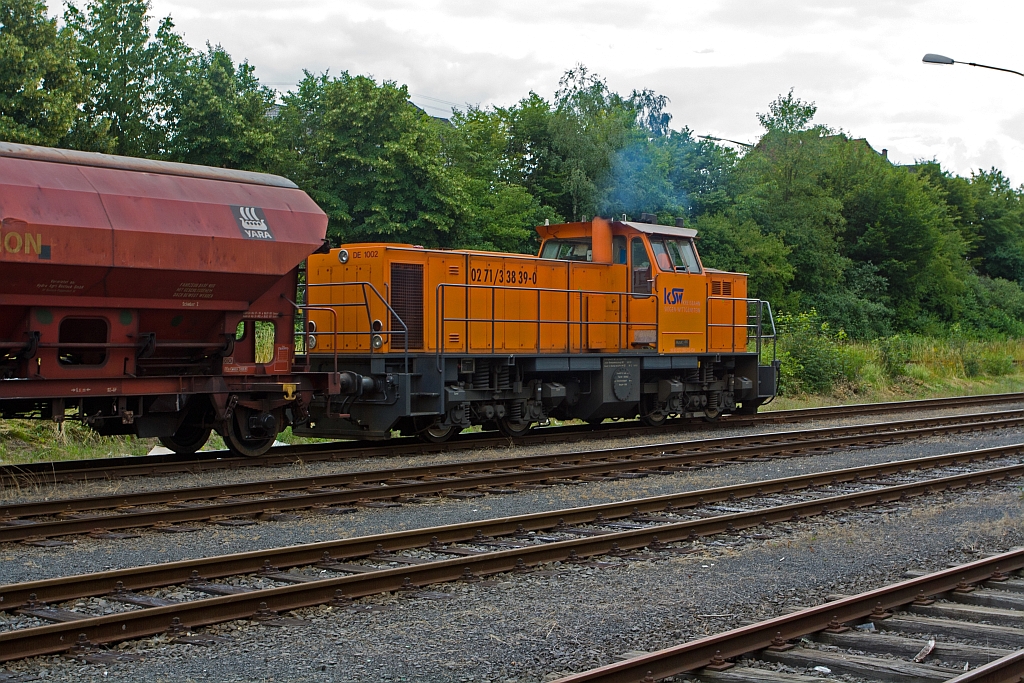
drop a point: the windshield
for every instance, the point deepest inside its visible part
(675, 254)
(567, 250)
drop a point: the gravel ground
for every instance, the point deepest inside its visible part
(532, 627)
(25, 563)
(700, 430)
(528, 627)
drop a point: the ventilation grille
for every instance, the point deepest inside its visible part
(721, 288)
(453, 270)
(407, 302)
(453, 338)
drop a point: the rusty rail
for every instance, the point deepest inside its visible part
(107, 468)
(398, 483)
(144, 622)
(699, 653)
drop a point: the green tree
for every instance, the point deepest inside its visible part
(41, 87)
(779, 187)
(732, 244)
(371, 160)
(788, 114)
(130, 69)
(589, 125)
(217, 114)
(501, 213)
(899, 221)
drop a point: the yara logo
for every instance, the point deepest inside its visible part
(250, 218)
(252, 222)
(674, 295)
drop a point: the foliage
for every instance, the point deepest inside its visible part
(371, 160)
(813, 357)
(216, 114)
(894, 354)
(41, 87)
(788, 114)
(818, 219)
(130, 69)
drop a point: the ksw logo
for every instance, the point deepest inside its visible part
(252, 222)
(674, 296)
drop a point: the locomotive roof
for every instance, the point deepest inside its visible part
(653, 229)
(67, 156)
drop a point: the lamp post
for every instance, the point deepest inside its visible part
(940, 59)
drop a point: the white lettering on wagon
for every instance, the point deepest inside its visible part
(194, 290)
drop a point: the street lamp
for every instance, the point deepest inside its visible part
(940, 59)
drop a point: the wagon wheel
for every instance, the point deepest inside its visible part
(438, 433)
(190, 437)
(650, 413)
(513, 429)
(249, 446)
(193, 432)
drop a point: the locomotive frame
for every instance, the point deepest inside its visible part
(508, 340)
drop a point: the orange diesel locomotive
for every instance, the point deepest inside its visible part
(611, 320)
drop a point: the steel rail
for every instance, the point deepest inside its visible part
(60, 589)
(150, 621)
(471, 475)
(739, 447)
(128, 466)
(1008, 669)
(698, 653)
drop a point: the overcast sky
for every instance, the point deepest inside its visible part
(719, 61)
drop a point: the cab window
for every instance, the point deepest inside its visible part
(641, 265)
(675, 255)
(567, 250)
(619, 250)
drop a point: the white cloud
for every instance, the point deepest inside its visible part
(719, 61)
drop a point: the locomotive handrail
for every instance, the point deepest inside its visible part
(384, 332)
(306, 333)
(442, 319)
(757, 326)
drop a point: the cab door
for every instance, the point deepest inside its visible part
(682, 317)
(642, 330)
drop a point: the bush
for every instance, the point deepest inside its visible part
(894, 354)
(995, 363)
(813, 361)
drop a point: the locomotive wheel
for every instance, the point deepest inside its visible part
(513, 429)
(437, 433)
(189, 438)
(649, 413)
(249, 447)
(712, 414)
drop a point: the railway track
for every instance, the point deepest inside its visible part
(266, 583)
(870, 636)
(128, 466)
(234, 504)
